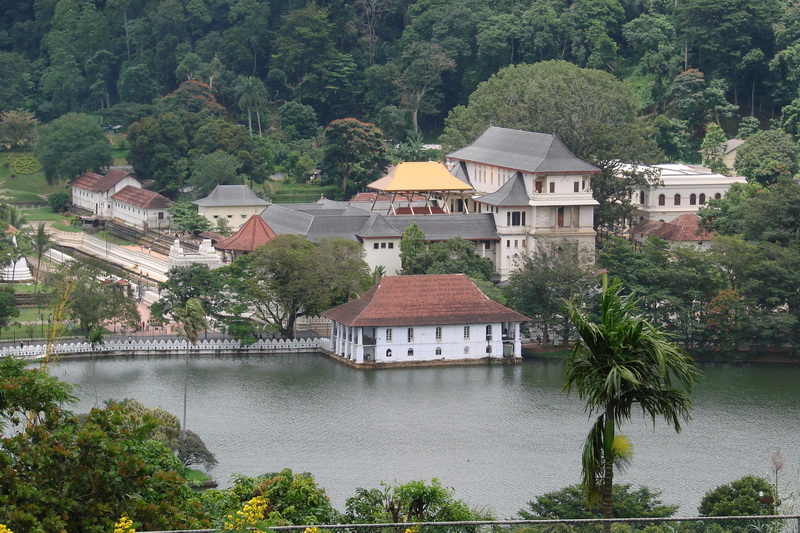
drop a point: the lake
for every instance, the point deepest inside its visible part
(498, 435)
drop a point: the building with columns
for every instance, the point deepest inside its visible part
(413, 319)
(533, 185)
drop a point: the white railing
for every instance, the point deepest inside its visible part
(176, 346)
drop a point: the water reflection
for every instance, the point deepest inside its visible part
(499, 435)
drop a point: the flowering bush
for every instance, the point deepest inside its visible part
(124, 525)
(4, 529)
(250, 516)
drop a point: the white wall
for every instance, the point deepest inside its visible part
(424, 344)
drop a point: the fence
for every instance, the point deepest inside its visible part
(137, 346)
(724, 524)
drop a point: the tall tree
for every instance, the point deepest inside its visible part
(192, 320)
(93, 301)
(421, 67)
(767, 157)
(620, 361)
(40, 240)
(290, 277)
(71, 145)
(542, 281)
(354, 152)
(252, 96)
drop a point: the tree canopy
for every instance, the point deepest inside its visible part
(71, 145)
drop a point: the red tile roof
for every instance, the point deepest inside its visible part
(141, 198)
(99, 183)
(682, 229)
(423, 300)
(253, 233)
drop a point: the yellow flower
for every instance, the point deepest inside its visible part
(314, 529)
(125, 525)
(252, 513)
(4, 529)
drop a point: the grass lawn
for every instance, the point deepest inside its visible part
(282, 192)
(19, 184)
(66, 226)
(22, 288)
(45, 214)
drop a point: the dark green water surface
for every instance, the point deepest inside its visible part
(498, 435)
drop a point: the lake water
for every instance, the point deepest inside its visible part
(498, 435)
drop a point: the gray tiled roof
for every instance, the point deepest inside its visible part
(511, 194)
(231, 195)
(354, 223)
(460, 171)
(476, 227)
(522, 150)
(378, 227)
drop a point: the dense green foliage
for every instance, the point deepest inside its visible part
(453, 256)
(92, 299)
(543, 281)
(570, 502)
(284, 70)
(742, 497)
(70, 145)
(415, 501)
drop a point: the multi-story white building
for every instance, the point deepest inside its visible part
(93, 192)
(533, 185)
(684, 190)
(412, 319)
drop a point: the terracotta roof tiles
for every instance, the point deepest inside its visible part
(100, 183)
(141, 198)
(253, 233)
(437, 299)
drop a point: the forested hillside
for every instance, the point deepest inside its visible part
(293, 66)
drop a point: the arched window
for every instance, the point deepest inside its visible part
(410, 352)
(410, 334)
(662, 200)
(677, 199)
(489, 332)
(693, 199)
(702, 198)
(641, 197)
(438, 350)
(717, 196)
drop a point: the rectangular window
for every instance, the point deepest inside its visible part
(552, 187)
(516, 218)
(410, 334)
(466, 333)
(487, 245)
(376, 246)
(538, 186)
(388, 334)
(383, 245)
(391, 245)
(508, 243)
(576, 187)
(438, 334)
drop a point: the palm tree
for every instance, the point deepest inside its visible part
(15, 217)
(252, 95)
(617, 362)
(192, 320)
(41, 242)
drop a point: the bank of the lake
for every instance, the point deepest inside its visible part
(499, 435)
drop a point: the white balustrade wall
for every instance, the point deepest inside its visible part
(170, 347)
